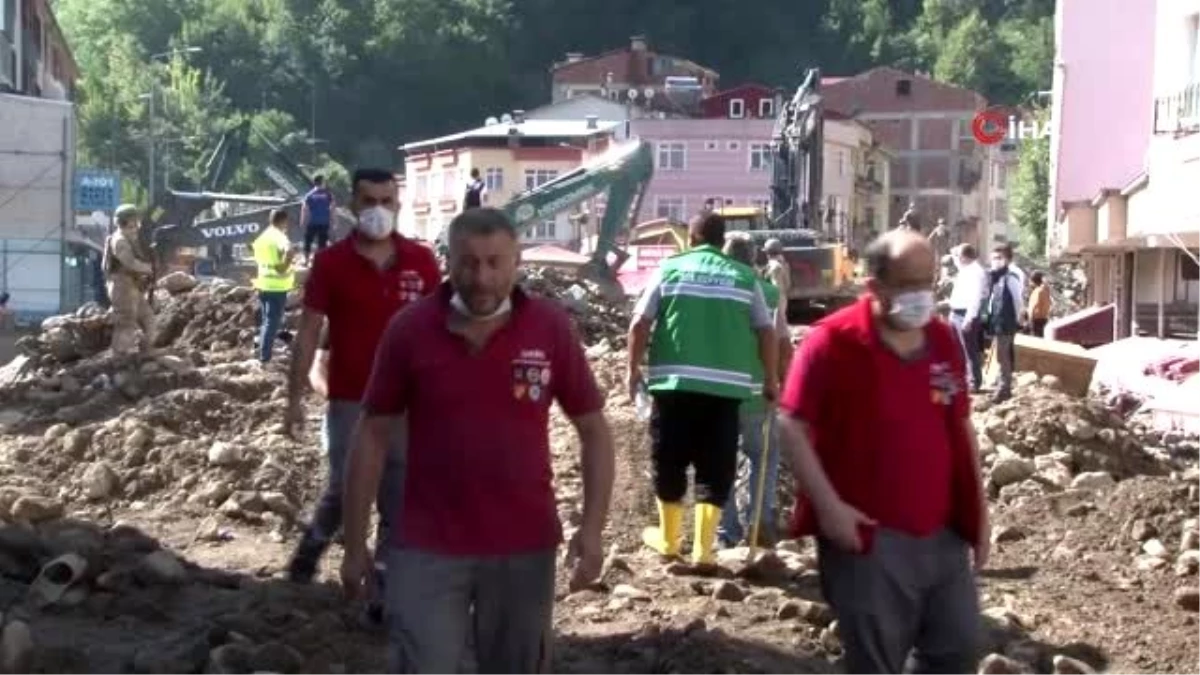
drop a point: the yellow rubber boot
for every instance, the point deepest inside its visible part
(707, 519)
(667, 538)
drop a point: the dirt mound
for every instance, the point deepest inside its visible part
(1045, 440)
(598, 317)
(208, 317)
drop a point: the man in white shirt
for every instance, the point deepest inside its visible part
(971, 290)
(1006, 304)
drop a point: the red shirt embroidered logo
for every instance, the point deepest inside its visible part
(410, 286)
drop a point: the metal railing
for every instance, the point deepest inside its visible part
(1178, 112)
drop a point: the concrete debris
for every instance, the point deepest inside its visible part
(597, 317)
(1043, 440)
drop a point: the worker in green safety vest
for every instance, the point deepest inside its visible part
(273, 254)
(757, 421)
(699, 319)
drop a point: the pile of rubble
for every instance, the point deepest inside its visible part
(80, 597)
(209, 317)
(599, 317)
(1044, 440)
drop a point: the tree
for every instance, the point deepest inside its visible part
(1030, 190)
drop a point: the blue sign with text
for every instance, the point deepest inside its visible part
(97, 190)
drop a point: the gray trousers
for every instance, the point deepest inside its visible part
(1006, 355)
(439, 605)
(910, 599)
(341, 417)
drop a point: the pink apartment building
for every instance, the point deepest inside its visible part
(1126, 159)
(726, 160)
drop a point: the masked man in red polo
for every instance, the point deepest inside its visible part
(876, 414)
(355, 287)
(476, 368)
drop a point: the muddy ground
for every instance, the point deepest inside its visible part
(168, 477)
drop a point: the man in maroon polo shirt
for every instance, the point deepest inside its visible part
(355, 287)
(476, 368)
(876, 414)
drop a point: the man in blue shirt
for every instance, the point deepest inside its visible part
(316, 216)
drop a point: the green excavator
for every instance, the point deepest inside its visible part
(621, 175)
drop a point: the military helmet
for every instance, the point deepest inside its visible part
(124, 212)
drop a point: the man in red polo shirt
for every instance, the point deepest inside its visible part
(876, 414)
(355, 286)
(476, 368)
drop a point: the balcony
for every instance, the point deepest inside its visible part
(1178, 113)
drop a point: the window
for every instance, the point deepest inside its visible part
(733, 146)
(669, 207)
(841, 162)
(672, 156)
(535, 178)
(547, 229)
(420, 225)
(435, 185)
(717, 202)
(711, 145)
(451, 182)
(421, 189)
(493, 178)
(760, 156)
(766, 107)
(903, 87)
(737, 108)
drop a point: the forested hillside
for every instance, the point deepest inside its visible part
(371, 74)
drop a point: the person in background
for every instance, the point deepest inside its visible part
(128, 271)
(757, 417)
(698, 320)
(476, 368)
(967, 300)
(354, 288)
(476, 191)
(1010, 252)
(779, 273)
(316, 217)
(877, 420)
(273, 254)
(1039, 304)
(1005, 306)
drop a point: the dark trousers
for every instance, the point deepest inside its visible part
(1038, 327)
(696, 430)
(910, 599)
(317, 233)
(972, 343)
(271, 305)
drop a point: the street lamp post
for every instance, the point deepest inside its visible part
(154, 58)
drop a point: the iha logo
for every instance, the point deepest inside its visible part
(990, 127)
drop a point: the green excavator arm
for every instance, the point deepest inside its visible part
(621, 174)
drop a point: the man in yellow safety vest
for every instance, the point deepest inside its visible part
(273, 253)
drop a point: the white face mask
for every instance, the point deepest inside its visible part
(457, 302)
(913, 310)
(377, 222)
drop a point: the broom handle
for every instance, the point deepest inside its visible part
(760, 488)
